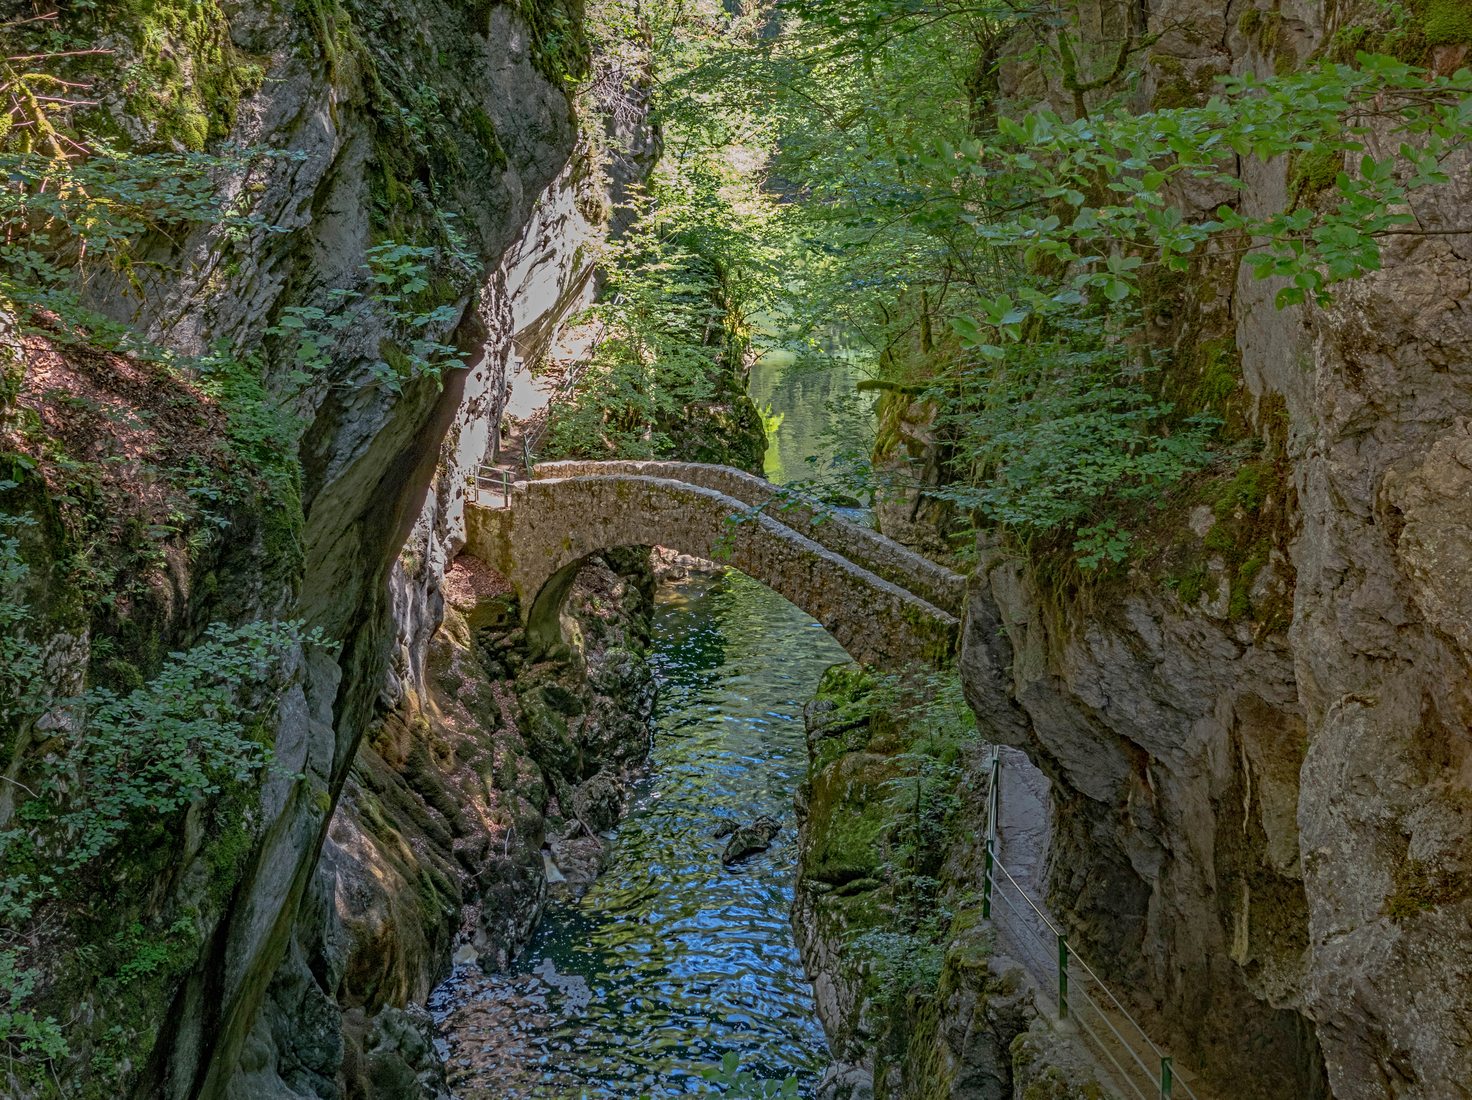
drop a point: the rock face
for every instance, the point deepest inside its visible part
(432, 125)
(1261, 787)
(485, 777)
(1192, 737)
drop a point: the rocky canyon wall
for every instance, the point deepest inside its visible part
(449, 131)
(1258, 743)
(476, 761)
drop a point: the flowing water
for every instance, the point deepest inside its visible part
(671, 960)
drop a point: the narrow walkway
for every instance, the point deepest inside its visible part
(1124, 1057)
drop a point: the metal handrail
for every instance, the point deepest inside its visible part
(1038, 947)
(1148, 1071)
(1168, 1075)
(1018, 887)
(491, 479)
(1101, 1045)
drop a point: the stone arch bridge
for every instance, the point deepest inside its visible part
(885, 604)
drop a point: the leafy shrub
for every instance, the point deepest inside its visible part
(113, 762)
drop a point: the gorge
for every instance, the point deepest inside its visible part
(320, 776)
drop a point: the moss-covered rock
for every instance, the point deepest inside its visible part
(886, 912)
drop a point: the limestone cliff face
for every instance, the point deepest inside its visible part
(425, 121)
(1261, 776)
(437, 846)
(438, 842)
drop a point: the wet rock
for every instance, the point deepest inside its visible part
(725, 829)
(671, 565)
(748, 840)
(846, 1082)
(578, 860)
(400, 1057)
(599, 802)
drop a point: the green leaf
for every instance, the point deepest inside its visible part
(968, 330)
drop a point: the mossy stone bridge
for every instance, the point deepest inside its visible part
(886, 605)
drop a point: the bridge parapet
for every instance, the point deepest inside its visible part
(553, 524)
(863, 546)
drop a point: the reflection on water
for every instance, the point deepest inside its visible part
(671, 960)
(803, 393)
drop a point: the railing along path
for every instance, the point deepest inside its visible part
(1113, 1037)
(492, 487)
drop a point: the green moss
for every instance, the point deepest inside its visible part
(1246, 490)
(1312, 173)
(1252, 512)
(1240, 604)
(1405, 31)
(560, 47)
(1270, 31)
(1175, 87)
(1347, 41)
(849, 814)
(329, 26)
(1220, 539)
(1217, 369)
(143, 964)
(438, 897)
(121, 675)
(283, 529)
(845, 683)
(547, 734)
(1244, 537)
(1263, 28)
(480, 124)
(1190, 585)
(1447, 22)
(186, 77)
(1419, 887)
(227, 856)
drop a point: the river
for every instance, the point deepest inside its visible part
(821, 414)
(671, 960)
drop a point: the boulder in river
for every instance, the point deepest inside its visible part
(748, 840)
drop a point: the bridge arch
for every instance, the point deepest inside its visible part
(553, 524)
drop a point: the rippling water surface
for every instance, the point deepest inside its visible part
(671, 960)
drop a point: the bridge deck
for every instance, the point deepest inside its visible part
(881, 555)
(555, 522)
